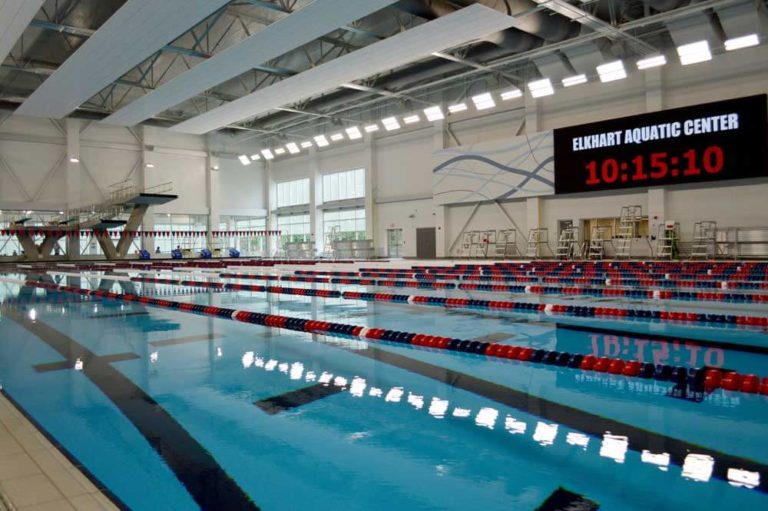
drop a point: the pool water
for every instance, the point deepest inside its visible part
(173, 410)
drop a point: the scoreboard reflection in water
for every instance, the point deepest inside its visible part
(711, 142)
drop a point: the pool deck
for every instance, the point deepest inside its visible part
(35, 475)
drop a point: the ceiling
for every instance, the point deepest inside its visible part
(279, 71)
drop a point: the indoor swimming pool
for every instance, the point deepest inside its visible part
(168, 406)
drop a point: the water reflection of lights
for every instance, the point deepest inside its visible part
(614, 447)
(745, 478)
(218, 352)
(545, 433)
(416, 401)
(78, 365)
(154, 356)
(32, 314)
(248, 359)
(577, 439)
(697, 467)
(486, 417)
(297, 369)
(394, 395)
(661, 460)
(514, 426)
(438, 407)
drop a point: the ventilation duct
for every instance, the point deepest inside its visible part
(743, 19)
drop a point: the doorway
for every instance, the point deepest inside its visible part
(426, 243)
(394, 242)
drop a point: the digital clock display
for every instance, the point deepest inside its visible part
(715, 141)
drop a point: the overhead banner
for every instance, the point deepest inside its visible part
(502, 169)
(710, 142)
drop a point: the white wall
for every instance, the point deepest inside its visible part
(402, 162)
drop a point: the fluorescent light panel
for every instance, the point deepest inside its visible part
(434, 113)
(541, 88)
(113, 50)
(267, 154)
(694, 53)
(570, 81)
(390, 124)
(483, 101)
(245, 160)
(306, 144)
(321, 141)
(611, 71)
(255, 157)
(512, 93)
(74, 160)
(292, 148)
(744, 41)
(337, 136)
(280, 37)
(371, 128)
(649, 62)
(458, 107)
(411, 119)
(459, 27)
(279, 151)
(354, 133)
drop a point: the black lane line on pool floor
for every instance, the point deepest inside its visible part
(208, 484)
(566, 500)
(639, 439)
(297, 398)
(746, 348)
(71, 360)
(118, 315)
(185, 340)
(68, 455)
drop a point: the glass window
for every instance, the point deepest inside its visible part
(293, 193)
(293, 228)
(178, 225)
(345, 224)
(349, 184)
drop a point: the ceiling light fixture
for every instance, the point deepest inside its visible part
(371, 128)
(458, 107)
(279, 151)
(655, 61)
(74, 160)
(411, 119)
(611, 71)
(244, 159)
(354, 133)
(570, 81)
(744, 41)
(434, 113)
(694, 53)
(512, 93)
(306, 144)
(337, 136)
(541, 88)
(321, 141)
(267, 154)
(390, 124)
(292, 148)
(255, 157)
(483, 101)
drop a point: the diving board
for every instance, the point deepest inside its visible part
(135, 32)
(460, 27)
(295, 30)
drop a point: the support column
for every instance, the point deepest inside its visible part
(73, 188)
(532, 114)
(656, 208)
(315, 200)
(211, 198)
(439, 142)
(370, 190)
(653, 87)
(144, 180)
(271, 202)
(533, 213)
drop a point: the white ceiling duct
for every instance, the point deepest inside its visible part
(131, 35)
(585, 58)
(299, 28)
(455, 29)
(15, 16)
(743, 19)
(694, 28)
(552, 66)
